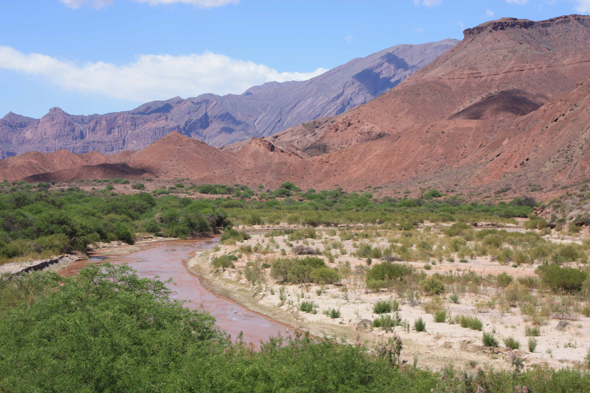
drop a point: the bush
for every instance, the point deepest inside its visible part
(489, 340)
(420, 325)
(224, 262)
(532, 331)
(472, 323)
(562, 278)
(440, 316)
(388, 271)
(307, 307)
(532, 344)
(306, 270)
(511, 343)
(503, 280)
(332, 313)
(232, 234)
(382, 307)
(454, 298)
(387, 323)
(325, 275)
(432, 286)
(138, 186)
(123, 233)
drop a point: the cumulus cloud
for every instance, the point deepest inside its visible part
(428, 3)
(75, 4)
(151, 77)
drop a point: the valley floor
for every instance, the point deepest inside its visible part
(553, 324)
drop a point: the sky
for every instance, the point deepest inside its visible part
(101, 56)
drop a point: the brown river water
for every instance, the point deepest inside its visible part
(165, 260)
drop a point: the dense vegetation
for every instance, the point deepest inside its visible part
(109, 330)
(41, 222)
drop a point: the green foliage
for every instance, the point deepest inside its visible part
(454, 298)
(305, 270)
(532, 344)
(387, 322)
(387, 271)
(420, 325)
(440, 316)
(382, 307)
(307, 307)
(562, 278)
(138, 186)
(489, 340)
(224, 261)
(233, 235)
(434, 193)
(532, 331)
(324, 275)
(512, 343)
(107, 329)
(472, 323)
(432, 286)
(503, 280)
(333, 313)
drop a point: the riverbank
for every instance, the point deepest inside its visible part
(562, 341)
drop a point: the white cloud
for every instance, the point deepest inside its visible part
(521, 2)
(151, 77)
(349, 38)
(428, 3)
(583, 6)
(490, 13)
(75, 4)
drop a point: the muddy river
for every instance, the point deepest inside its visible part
(165, 260)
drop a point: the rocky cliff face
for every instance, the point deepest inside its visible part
(261, 111)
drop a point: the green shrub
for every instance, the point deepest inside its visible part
(298, 271)
(472, 323)
(123, 233)
(562, 278)
(232, 234)
(532, 331)
(332, 313)
(440, 316)
(325, 275)
(382, 307)
(503, 280)
(387, 271)
(420, 325)
(223, 261)
(432, 286)
(307, 307)
(489, 340)
(511, 343)
(138, 186)
(454, 298)
(532, 344)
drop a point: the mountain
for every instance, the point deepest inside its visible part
(505, 110)
(451, 123)
(258, 112)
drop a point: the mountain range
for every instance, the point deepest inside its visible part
(219, 120)
(505, 110)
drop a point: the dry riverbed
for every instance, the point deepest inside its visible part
(564, 333)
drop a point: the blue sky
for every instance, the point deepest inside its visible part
(99, 56)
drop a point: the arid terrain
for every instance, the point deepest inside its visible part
(473, 288)
(505, 109)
